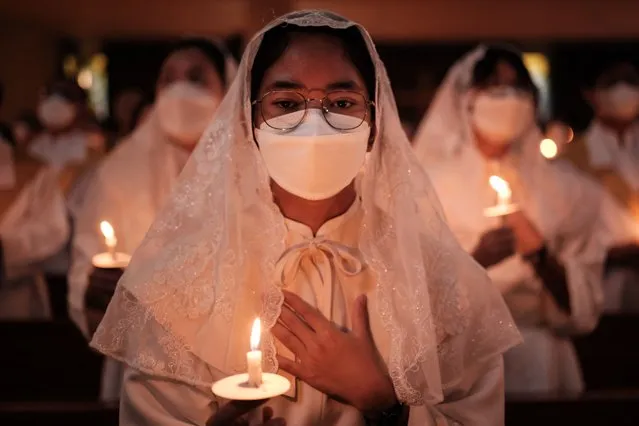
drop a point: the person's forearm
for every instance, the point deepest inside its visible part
(553, 274)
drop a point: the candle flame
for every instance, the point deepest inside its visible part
(255, 334)
(107, 230)
(500, 186)
(548, 148)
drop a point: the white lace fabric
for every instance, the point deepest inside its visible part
(185, 305)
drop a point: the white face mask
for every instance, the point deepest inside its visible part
(502, 117)
(621, 101)
(184, 110)
(56, 112)
(313, 161)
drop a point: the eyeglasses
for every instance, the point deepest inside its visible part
(286, 109)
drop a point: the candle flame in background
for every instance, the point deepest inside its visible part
(548, 148)
(500, 186)
(107, 229)
(256, 331)
(109, 234)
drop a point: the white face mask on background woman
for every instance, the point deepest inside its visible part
(184, 110)
(313, 161)
(502, 116)
(56, 112)
(620, 101)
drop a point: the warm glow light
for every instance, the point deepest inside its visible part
(548, 148)
(107, 229)
(500, 186)
(256, 331)
(109, 234)
(85, 79)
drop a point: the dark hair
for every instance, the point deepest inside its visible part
(276, 41)
(601, 64)
(68, 89)
(30, 118)
(211, 50)
(1, 93)
(485, 68)
(136, 115)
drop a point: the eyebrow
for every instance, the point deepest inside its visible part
(290, 84)
(285, 84)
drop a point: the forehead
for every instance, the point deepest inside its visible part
(185, 59)
(314, 61)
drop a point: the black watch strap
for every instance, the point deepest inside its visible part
(389, 417)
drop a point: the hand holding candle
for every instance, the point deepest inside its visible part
(254, 357)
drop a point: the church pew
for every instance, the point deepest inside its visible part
(47, 361)
(590, 409)
(58, 414)
(609, 355)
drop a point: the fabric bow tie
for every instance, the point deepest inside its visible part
(324, 254)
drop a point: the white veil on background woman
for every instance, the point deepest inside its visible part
(185, 305)
(128, 188)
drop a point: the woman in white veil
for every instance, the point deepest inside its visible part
(134, 181)
(546, 258)
(231, 238)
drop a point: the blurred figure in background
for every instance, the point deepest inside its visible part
(609, 153)
(141, 112)
(6, 134)
(70, 134)
(122, 122)
(545, 258)
(134, 181)
(25, 128)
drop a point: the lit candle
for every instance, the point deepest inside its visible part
(109, 237)
(254, 357)
(110, 259)
(502, 188)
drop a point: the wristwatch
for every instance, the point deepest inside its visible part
(389, 417)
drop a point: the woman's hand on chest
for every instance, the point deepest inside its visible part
(342, 364)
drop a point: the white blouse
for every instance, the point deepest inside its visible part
(326, 270)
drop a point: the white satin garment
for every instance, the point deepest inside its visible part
(329, 274)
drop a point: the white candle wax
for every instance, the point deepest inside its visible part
(254, 357)
(254, 361)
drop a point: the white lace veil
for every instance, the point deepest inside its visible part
(185, 305)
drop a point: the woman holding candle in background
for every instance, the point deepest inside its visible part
(276, 217)
(546, 258)
(136, 178)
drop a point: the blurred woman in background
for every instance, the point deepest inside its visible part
(609, 153)
(134, 181)
(547, 257)
(70, 134)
